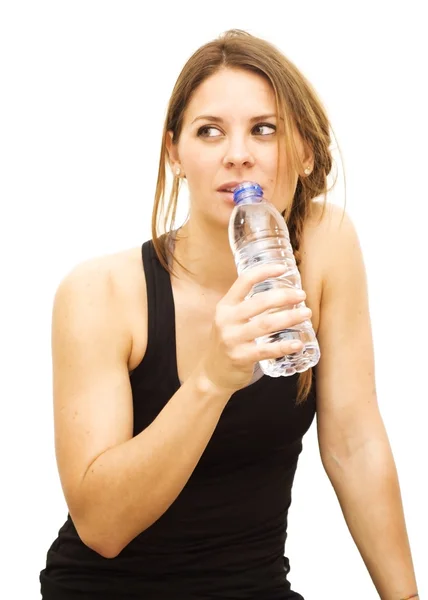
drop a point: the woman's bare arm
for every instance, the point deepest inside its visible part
(116, 485)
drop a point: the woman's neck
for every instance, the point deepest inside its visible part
(207, 255)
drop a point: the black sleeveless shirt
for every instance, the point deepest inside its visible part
(224, 535)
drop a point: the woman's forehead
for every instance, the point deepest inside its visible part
(230, 93)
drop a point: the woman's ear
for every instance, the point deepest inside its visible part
(304, 151)
(172, 150)
(307, 157)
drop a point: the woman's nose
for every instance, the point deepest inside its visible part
(238, 154)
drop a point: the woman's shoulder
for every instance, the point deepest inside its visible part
(327, 230)
(325, 217)
(327, 240)
(111, 275)
(114, 284)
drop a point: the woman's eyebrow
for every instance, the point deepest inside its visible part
(215, 119)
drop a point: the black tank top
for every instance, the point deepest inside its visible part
(224, 535)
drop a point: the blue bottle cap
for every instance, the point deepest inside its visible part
(246, 189)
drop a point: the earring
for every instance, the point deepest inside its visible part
(177, 172)
(308, 171)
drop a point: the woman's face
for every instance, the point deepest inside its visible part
(229, 135)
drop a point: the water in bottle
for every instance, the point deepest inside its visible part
(258, 234)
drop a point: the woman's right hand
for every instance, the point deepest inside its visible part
(232, 351)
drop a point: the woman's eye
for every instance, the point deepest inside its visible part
(208, 131)
(264, 129)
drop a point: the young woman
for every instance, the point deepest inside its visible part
(176, 455)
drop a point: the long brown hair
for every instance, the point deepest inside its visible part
(298, 105)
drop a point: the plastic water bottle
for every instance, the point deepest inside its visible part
(258, 235)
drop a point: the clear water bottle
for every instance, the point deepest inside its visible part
(258, 234)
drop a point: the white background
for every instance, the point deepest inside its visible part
(84, 91)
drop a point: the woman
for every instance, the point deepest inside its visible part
(176, 456)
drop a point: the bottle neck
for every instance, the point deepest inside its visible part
(249, 198)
